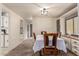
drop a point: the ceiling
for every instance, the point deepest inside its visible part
(26, 10)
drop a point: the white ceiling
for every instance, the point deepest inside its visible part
(33, 9)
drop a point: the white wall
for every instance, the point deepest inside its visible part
(62, 25)
(44, 24)
(14, 34)
(25, 30)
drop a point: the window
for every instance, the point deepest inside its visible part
(71, 26)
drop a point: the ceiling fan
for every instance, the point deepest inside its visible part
(43, 7)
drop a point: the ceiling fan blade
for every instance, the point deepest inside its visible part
(40, 6)
(37, 5)
(50, 7)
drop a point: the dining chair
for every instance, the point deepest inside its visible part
(59, 34)
(43, 32)
(50, 50)
(34, 36)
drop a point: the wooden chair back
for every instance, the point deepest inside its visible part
(34, 36)
(52, 50)
(54, 39)
(59, 34)
(43, 32)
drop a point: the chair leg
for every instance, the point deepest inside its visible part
(40, 52)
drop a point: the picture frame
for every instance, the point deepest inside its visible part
(21, 26)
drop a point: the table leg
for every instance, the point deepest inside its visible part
(40, 53)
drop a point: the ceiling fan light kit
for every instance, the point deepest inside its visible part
(44, 11)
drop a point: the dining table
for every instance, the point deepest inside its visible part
(39, 44)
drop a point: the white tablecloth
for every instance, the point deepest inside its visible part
(39, 44)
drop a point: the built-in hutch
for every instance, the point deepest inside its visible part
(72, 43)
(71, 36)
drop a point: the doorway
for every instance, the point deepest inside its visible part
(58, 25)
(29, 30)
(4, 29)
